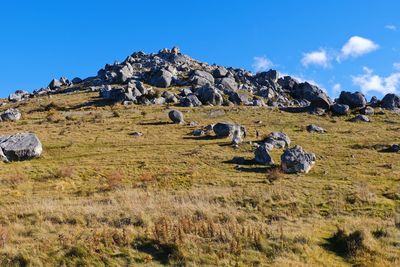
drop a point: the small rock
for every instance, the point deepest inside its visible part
(314, 128)
(137, 134)
(278, 139)
(176, 116)
(360, 118)
(367, 111)
(198, 132)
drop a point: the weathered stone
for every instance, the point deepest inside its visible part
(22, 146)
(220, 72)
(161, 78)
(367, 111)
(10, 115)
(296, 160)
(314, 128)
(209, 95)
(201, 78)
(360, 118)
(353, 100)
(176, 116)
(262, 156)
(278, 139)
(390, 101)
(190, 101)
(340, 109)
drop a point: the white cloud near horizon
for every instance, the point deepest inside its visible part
(357, 46)
(396, 66)
(391, 27)
(336, 89)
(261, 64)
(368, 82)
(317, 58)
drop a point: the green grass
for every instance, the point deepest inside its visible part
(101, 197)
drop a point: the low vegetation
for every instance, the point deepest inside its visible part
(101, 197)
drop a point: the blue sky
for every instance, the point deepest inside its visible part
(340, 45)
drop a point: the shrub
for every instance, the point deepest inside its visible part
(349, 244)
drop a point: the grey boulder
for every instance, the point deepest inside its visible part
(390, 101)
(209, 95)
(225, 129)
(360, 118)
(312, 128)
(190, 101)
(201, 78)
(340, 109)
(161, 78)
(296, 160)
(353, 100)
(277, 140)
(21, 146)
(11, 114)
(176, 116)
(262, 156)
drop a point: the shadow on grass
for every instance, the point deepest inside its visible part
(96, 102)
(379, 147)
(155, 123)
(164, 253)
(249, 165)
(204, 137)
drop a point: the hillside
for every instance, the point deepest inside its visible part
(113, 182)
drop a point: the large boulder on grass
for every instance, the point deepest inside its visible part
(296, 160)
(21, 146)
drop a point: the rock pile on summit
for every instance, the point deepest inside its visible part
(130, 82)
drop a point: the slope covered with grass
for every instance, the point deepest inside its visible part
(99, 196)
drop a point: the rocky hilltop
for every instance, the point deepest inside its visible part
(132, 82)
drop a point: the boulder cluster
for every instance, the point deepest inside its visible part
(293, 160)
(200, 83)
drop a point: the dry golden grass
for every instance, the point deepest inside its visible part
(101, 197)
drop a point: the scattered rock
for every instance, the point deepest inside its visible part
(360, 118)
(296, 160)
(394, 148)
(262, 156)
(176, 116)
(198, 132)
(137, 134)
(21, 146)
(312, 128)
(367, 111)
(278, 140)
(10, 115)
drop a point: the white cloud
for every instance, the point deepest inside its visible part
(396, 66)
(336, 89)
(357, 46)
(261, 64)
(391, 27)
(368, 81)
(318, 58)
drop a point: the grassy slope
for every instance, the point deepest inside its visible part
(101, 196)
